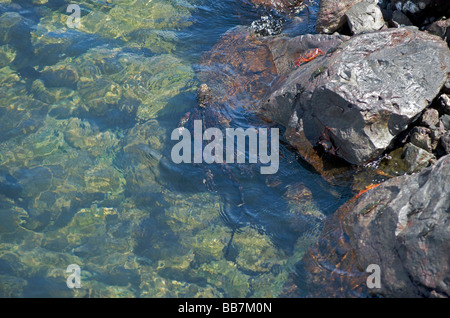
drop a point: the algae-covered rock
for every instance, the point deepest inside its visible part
(225, 275)
(82, 135)
(10, 217)
(7, 55)
(103, 178)
(11, 286)
(256, 253)
(60, 76)
(209, 243)
(119, 87)
(138, 158)
(190, 214)
(156, 286)
(51, 95)
(138, 23)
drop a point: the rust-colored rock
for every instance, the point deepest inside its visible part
(330, 268)
(238, 70)
(400, 225)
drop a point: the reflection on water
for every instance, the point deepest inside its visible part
(85, 170)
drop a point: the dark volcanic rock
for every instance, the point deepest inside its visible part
(267, 25)
(364, 17)
(420, 137)
(417, 10)
(441, 28)
(285, 52)
(238, 69)
(416, 157)
(445, 142)
(285, 6)
(331, 15)
(364, 92)
(402, 226)
(400, 19)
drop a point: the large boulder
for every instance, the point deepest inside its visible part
(355, 100)
(402, 226)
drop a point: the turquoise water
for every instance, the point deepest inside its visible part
(86, 176)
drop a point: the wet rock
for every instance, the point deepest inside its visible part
(417, 158)
(11, 286)
(331, 15)
(285, 6)
(430, 118)
(15, 30)
(204, 96)
(7, 55)
(238, 70)
(286, 51)
(402, 226)
(60, 76)
(138, 157)
(256, 253)
(364, 17)
(151, 28)
(364, 93)
(267, 25)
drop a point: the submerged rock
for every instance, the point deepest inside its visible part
(238, 70)
(7, 55)
(363, 93)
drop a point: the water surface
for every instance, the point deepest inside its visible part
(85, 170)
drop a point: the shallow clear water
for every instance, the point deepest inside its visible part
(86, 175)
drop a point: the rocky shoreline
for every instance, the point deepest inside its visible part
(377, 99)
